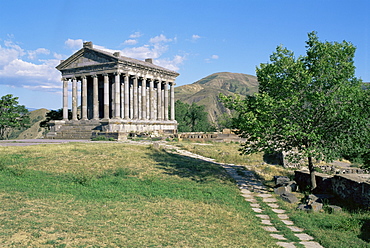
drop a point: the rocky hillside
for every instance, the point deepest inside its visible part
(206, 91)
(34, 132)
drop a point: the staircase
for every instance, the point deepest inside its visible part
(75, 131)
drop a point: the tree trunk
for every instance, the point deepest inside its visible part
(312, 173)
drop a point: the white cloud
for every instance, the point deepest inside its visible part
(130, 42)
(214, 57)
(74, 44)
(171, 64)
(33, 54)
(16, 72)
(159, 38)
(195, 37)
(136, 35)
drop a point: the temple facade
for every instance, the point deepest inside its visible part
(118, 95)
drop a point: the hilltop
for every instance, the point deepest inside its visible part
(206, 91)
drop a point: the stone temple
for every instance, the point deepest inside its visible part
(119, 95)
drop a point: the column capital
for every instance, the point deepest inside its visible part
(94, 75)
(83, 77)
(64, 79)
(117, 73)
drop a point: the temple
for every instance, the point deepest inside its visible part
(119, 95)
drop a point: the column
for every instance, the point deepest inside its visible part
(84, 98)
(172, 101)
(126, 101)
(166, 101)
(95, 98)
(135, 116)
(65, 99)
(122, 99)
(117, 97)
(143, 99)
(151, 99)
(106, 96)
(74, 99)
(159, 100)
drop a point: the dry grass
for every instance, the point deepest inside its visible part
(118, 195)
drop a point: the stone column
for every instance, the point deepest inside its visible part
(172, 101)
(126, 101)
(74, 99)
(122, 99)
(106, 96)
(65, 99)
(151, 99)
(117, 97)
(166, 101)
(84, 98)
(95, 98)
(143, 99)
(135, 117)
(159, 100)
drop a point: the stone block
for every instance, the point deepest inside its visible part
(282, 190)
(333, 209)
(316, 207)
(289, 197)
(281, 180)
(304, 207)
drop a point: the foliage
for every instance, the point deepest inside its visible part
(12, 115)
(55, 115)
(192, 118)
(312, 105)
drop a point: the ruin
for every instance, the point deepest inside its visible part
(119, 95)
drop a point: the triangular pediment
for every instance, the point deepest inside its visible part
(86, 57)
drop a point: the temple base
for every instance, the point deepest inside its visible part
(110, 128)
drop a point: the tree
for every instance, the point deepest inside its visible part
(54, 115)
(192, 118)
(312, 105)
(12, 115)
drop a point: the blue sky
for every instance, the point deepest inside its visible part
(194, 37)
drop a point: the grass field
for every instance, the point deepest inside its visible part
(119, 195)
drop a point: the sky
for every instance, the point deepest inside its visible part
(196, 38)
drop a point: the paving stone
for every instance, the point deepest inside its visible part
(263, 216)
(269, 200)
(303, 236)
(273, 205)
(270, 228)
(255, 205)
(245, 191)
(311, 244)
(288, 222)
(286, 244)
(277, 236)
(264, 195)
(257, 210)
(283, 216)
(278, 211)
(250, 199)
(295, 229)
(266, 222)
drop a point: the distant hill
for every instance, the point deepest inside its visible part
(206, 91)
(34, 132)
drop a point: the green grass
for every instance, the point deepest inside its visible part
(117, 195)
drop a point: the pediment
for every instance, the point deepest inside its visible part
(85, 57)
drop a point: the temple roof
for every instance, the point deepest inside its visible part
(88, 56)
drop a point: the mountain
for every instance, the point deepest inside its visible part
(206, 91)
(34, 131)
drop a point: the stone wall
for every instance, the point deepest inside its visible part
(351, 187)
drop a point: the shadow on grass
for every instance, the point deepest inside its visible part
(186, 167)
(365, 230)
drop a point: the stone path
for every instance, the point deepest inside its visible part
(262, 202)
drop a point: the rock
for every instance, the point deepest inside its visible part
(289, 197)
(333, 209)
(315, 206)
(282, 190)
(281, 180)
(303, 207)
(293, 186)
(311, 198)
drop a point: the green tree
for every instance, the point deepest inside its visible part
(12, 115)
(192, 118)
(55, 115)
(312, 105)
